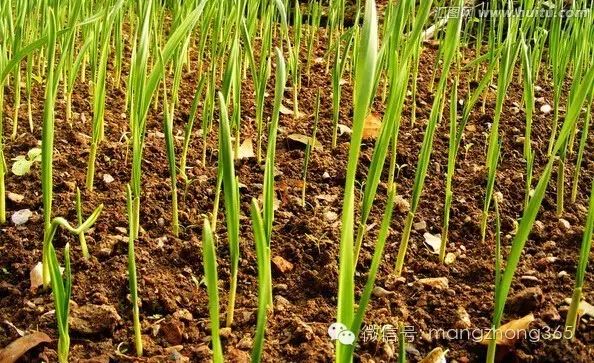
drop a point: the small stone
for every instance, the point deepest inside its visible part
(440, 283)
(381, 292)
(237, 356)
(172, 354)
(17, 198)
(546, 108)
(564, 224)
(420, 226)
(245, 343)
(463, 318)
(21, 217)
(280, 287)
(549, 245)
(108, 179)
(562, 274)
(225, 332)
(330, 216)
(392, 281)
(537, 89)
(173, 331)
(282, 266)
(184, 314)
(161, 222)
(302, 330)
(449, 258)
(94, 319)
(161, 241)
(520, 140)
(325, 175)
(538, 228)
(545, 261)
(204, 351)
(280, 303)
(470, 128)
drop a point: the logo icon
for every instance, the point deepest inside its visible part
(339, 331)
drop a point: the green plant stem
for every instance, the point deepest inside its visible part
(132, 278)
(364, 74)
(210, 273)
(572, 313)
(580, 154)
(47, 147)
(91, 166)
(404, 243)
(561, 184)
(79, 215)
(264, 279)
(586, 247)
(2, 161)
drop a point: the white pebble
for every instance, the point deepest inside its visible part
(21, 216)
(546, 108)
(108, 179)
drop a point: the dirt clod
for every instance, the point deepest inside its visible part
(281, 265)
(94, 319)
(172, 330)
(526, 300)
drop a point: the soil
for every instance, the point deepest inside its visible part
(174, 313)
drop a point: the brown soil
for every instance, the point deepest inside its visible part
(305, 297)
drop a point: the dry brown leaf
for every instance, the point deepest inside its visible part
(327, 197)
(303, 139)
(285, 110)
(511, 331)
(437, 355)
(16, 349)
(19, 331)
(433, 241)
(246, 149)
(372, 126)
